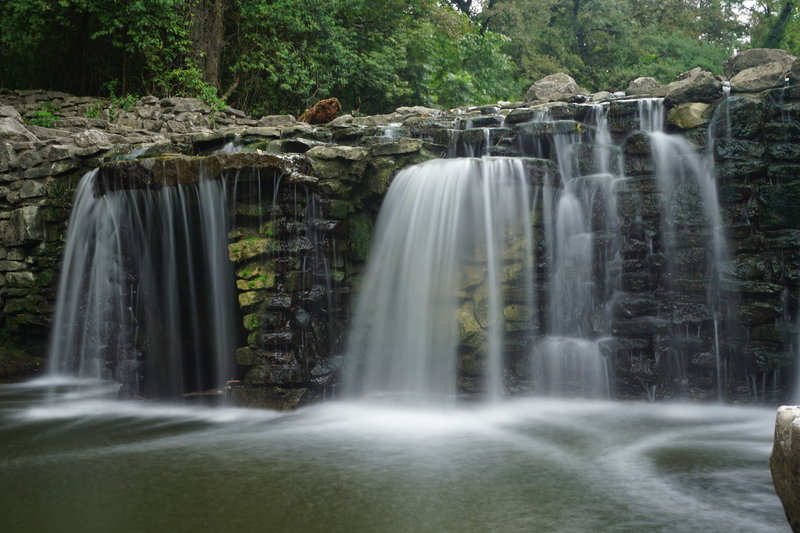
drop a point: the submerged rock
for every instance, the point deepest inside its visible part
(785, 463)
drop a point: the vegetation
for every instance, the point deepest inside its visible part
(274, 56)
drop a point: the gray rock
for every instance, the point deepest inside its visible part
(276, 120)
(760, 78)
(755, 57)
(10, 112)
(23, 227)
(645, 86)
(350, 153)
(418, 110)
(784, 462)
(558, 87)
(12, 130)
(696, 85)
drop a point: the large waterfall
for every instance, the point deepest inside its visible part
(145, 296)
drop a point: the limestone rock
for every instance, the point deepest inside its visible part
(696, 85)
(418, 110)
(689, 115)
(760, 77)
(271, 121)
(350, 153)
(784, 462)
(11, 130)
(322, 112)
(645, 86)
(558, 87)
(755, 57)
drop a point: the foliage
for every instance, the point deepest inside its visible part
(44, 117)
(278, 56)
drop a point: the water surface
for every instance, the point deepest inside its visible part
(81, 461)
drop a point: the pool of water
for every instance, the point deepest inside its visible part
(73, 459)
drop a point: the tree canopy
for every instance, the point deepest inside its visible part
(271, 56)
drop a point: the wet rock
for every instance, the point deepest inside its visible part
(779, 206)
(745, 115)
(404, 146)
(784, 462)
(759, 312)
(558, 87)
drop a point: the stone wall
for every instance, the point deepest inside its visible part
(301, 235)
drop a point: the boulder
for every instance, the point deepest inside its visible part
(784, 462)
(689, 115)
(558, 87)
(645, 86)
(756, 57)
(696, 85)
(322, 112)
(760, 78)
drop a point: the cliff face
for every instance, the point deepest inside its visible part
(301, 225)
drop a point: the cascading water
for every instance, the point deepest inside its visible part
(568, 360)
(690, 208)
(453, 239)
(146, 289)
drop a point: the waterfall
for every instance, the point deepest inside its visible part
(145, 294)
(452, 240)
(568, 361)
(691, 218)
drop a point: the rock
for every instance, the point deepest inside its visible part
(645, 86)
(418, 110)
(12, 130)
(602, 96)
(276, 120)
(403, 146)
(689, 115)
(760, 78)
(558, 87)
(322, 112)
(778, 206)
(22, 227)
(756, 57)
(784, 463)
(349, 153)
(696, 85)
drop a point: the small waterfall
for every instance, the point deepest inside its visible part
(568, 360)
(690, 207)
(146, 289)
(452, 241)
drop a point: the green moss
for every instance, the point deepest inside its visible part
(360, 226)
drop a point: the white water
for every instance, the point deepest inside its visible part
(437, 220)
(138, 266)
(680, 169)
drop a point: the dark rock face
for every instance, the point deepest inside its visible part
(785, 463)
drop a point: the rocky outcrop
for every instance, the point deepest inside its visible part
(785, 463)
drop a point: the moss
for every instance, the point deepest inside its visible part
(360, 226)
(17, 363)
